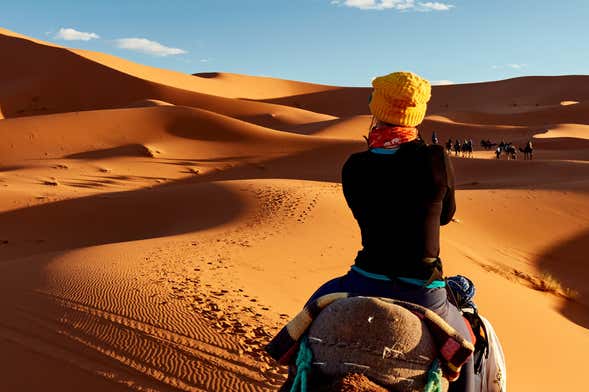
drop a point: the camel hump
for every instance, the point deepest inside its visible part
(386, 342)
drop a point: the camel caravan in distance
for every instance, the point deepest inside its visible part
(509, 150)
(464, 149)
(503, 149)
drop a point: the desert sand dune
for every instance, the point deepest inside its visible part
(507, 96)
(148, 103)
(258, 87)
(157, 228)
(572, 131)
(511, 96)
(60, 135)
(214, 83)
(49, 85)
(535, 117)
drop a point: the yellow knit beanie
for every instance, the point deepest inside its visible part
(400, 98)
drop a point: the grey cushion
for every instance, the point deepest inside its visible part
(385, 342)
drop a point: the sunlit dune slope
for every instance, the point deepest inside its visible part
(196, 131)
(43, 79)
(214, 83)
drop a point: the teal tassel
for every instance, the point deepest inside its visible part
(434, 378)
(303, 363)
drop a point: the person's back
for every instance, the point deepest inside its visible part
(399, 202)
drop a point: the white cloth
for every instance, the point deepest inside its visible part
(493, 377)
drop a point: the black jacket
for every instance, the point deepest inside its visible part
(400, 201)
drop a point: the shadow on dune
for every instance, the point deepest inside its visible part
(129, 150)
(567, 262)
(185, 162)
(340, 102)
(207, 75)
(561, 143)
(322, 163)
(520, 174)
(574, 114)
(11, 168)
(116, 217)
(313, 128)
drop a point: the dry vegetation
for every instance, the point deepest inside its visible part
(543, 282)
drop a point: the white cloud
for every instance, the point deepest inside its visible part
(435, 6)
(143, 45)
(442, 82)
(70, 34)
(400, 5)
(512, 66)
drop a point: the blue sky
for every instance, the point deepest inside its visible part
(345, 42)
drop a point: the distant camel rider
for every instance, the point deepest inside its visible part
(457, 147)
(434, 138)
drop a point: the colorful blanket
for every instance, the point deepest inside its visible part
(454, 350)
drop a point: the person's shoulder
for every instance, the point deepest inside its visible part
(436, 150)
(437, 156)
(359, 156)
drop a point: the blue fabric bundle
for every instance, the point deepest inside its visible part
(463, 291)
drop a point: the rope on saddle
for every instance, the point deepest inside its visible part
(303, 363)
(434, 378)
(305, 358)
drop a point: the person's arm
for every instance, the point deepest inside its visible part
(348, 184)
(449, 201)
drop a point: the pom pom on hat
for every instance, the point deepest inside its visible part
(400, 98)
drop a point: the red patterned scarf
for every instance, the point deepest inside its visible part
(390, 137)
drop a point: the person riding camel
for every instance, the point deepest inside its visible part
(449, 145)
(400, 191)
(457, 147)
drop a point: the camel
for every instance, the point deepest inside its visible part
(506, 149)
(528, 150)
(467, 149)
(510, 151)
(487, 144)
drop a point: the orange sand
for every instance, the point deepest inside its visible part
(157, 228)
